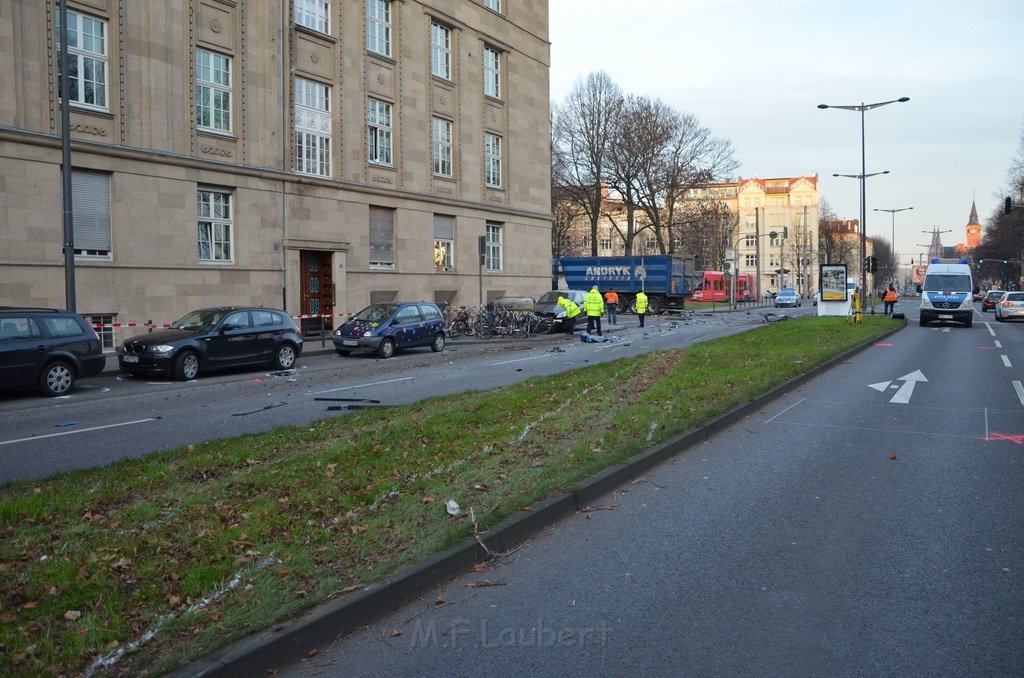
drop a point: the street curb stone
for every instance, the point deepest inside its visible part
(294, 639)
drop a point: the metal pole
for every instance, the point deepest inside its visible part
(863, 209)
(65, 168)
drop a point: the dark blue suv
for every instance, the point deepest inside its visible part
(47, 348)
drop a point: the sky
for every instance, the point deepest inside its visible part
(755, 72)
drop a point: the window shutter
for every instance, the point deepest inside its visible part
(90, 200)
(382, 236)
(444, 227)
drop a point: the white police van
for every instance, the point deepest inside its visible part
(946, 292)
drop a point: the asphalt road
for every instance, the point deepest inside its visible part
(111, 417)
(867, 523)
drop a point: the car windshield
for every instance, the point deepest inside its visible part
(550, 297)
(198, 320)
(787, 292)
(944, 281)
(377, 313)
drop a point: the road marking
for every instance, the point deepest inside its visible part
(1019, 388)
(81, 430)
(517, 360)
(374, 383)
(990, 330)
(905, 391)
(1006, 360)
(999, 344)
(785, 410)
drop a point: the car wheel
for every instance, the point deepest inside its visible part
(342, 352)
(57, 379)
(924, 323)
(186, 366)
(386, 348)
(968, 322)
(284, 358)
(438, 345)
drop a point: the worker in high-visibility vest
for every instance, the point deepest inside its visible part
(889, 300)
(571, 311)
(641, 306)
(611, 300)
(594, 304)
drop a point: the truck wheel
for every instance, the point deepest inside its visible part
(653, 306)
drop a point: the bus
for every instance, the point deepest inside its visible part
(713, 286)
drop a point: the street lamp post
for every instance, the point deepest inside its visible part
(863, 234)
(893, 242)
(862, 108)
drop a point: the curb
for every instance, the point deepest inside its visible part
(293, 639)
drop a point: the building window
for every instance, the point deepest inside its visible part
(442, 147)
(313, 127)
(90, 209)
(750, 241)
(103, 324)
(586, 241)
(492, 73)
(214, 209)
(493, 254)
(213, 91)
(492, 160)
(444, 240)
(378, 132)
(440, 51)
(378, 26)
(314, 14)
(493, 4)
(750, 260)
(652, 243)
(606, 243)
(382, 237)
(87, 59)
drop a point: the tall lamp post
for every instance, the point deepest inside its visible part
(893, 242)
(862, 108)
(863, 234)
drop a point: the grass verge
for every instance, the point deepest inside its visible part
(140, 567)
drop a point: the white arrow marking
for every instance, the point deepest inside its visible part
(906, 390)
(902, 396)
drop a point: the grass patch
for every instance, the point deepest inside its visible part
(198, 547)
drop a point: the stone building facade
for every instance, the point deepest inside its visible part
(315, 155)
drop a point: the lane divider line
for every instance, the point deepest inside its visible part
(81, 430)
(375, 383)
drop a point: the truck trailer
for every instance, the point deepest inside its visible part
(666, 279)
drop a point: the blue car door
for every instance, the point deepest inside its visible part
(407, 326)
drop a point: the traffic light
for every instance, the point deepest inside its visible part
(785, 232)
(1007, 206)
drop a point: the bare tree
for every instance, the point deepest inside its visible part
(836, 244)
(581, 135)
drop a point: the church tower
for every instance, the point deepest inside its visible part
(973, 229)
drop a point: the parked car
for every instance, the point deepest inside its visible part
(392, 326)
(978, 295)
(1010, 306)
(988, 302)
(47, 348)
(214, 338)
(787, 296)
(547, 305)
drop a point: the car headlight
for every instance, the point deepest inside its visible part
(161, 348)
(967, 303)
(337, 332)
(561, 314)
(367, 334)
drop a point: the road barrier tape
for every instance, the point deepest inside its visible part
(152, 325)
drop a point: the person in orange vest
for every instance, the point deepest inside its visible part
(611, 300)
(889, 300)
